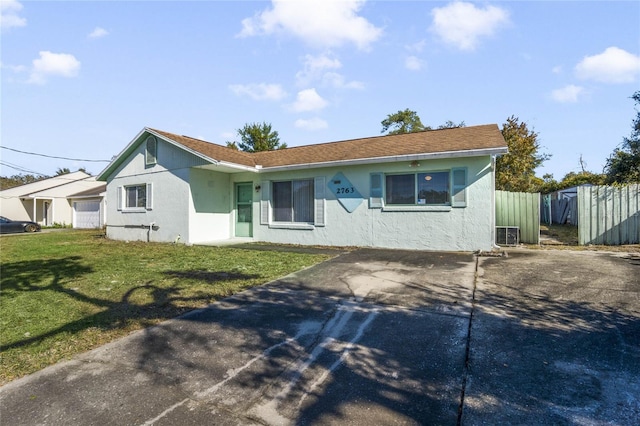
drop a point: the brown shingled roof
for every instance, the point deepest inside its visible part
(428, 142)
(211, 150)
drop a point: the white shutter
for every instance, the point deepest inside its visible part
(149, 205)
(265, 188)
(375, 191)
(120, 193)
(459, 187)
(319, 204)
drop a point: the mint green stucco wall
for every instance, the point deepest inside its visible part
(464, 229)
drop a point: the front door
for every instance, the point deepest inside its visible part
(244, 209)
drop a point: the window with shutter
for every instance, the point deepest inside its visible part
(375, 191)
(265, 214)
(319, 219)
(459, 187)
(149, 201)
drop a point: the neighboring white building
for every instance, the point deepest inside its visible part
(50, 201)
(430, 190)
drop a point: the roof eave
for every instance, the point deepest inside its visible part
(391, 159)
(103, 176)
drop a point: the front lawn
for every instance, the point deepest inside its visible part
(62, 293)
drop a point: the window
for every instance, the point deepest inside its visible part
(293, 201)
(135, 197)
(151, 151)
(446, 189)
(418, 189)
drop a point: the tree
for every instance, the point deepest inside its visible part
(451, 125)
(406, 121)
(255, 137)
(515, 170)
(17, 180)
(572, 179)
(623, 166)
(62, 171)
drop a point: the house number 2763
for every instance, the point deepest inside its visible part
(345, 190)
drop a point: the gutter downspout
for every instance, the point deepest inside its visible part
(494, 246)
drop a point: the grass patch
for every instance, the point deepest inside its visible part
(565, 237)
(63, 293)
(564, 234)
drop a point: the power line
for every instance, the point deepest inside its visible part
(19, 168)
(53, 156)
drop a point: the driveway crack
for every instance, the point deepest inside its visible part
(465, 371)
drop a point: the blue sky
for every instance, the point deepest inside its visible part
(81, 79)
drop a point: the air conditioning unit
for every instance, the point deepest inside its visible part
(507, 235)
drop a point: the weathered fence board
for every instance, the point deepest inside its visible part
(564, 211)
(609, 215)
(520, 209)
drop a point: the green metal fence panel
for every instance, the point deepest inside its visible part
(520, 209)
(609, 215)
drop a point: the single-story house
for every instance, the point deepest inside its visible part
(56, 200)
(430, 190)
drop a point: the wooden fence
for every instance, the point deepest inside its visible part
(609, 215)
(520, 209)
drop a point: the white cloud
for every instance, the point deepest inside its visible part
(259, 92)
(320, 23)
(53, 64)
(315, 67)
(557, 69)
(614, 65)
(321, 68)
(416, 47)
(9, 10)
(413, 63)
(337, 81)
(309, 100)
(14, 68)
(463, 24)
(568, 94)
(98, 32)
(311, 124)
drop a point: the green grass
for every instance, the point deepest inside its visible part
(565, 237)
(565, 234)
(62, 293)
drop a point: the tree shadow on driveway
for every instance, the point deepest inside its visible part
(555, 338)
(305, 350)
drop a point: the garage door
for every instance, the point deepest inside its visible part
(86, 214)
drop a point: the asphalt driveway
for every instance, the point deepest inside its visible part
(374, 337)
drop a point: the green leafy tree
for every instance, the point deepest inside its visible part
(451, 125)
(62, 171)
(549, 184)
(515, 171)
(7, 182)
(406, 121)
(572, 179)
(255, 137)
(623, 166)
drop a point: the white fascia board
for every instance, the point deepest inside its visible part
(239, 167)
(81, 197)
(391, 159)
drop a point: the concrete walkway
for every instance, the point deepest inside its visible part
(374, 337)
